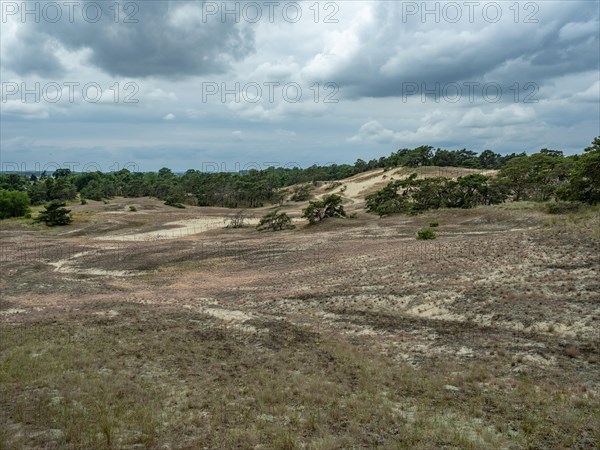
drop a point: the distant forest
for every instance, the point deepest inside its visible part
(541, 176)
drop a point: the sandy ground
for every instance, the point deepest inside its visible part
(355, 188)
(177, 229)
(362, 264)
(512, 289)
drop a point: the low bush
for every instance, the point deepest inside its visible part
(174, 203)
(329, 206)
(275, 221)
(562, 207)
(13, 204)
(301, 193)
(425, 234)
(238, 220)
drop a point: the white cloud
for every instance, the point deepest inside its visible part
(24, 110)
(279, 110)
(369, 53)
(591, 94)
(577, 30)
(159, 94)
(510, 115)
(373, 131)
(285, 133)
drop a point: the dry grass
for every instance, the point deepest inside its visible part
(350, 334)
(155, 377)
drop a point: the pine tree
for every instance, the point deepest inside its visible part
(55, 214)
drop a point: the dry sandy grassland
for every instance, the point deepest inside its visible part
(162, 329)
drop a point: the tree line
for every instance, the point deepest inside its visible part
(545, 175)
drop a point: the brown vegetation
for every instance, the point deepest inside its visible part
(346, 334)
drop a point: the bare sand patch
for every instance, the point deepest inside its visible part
(177, 229)
(182, 228)
(13, 311)
(67, 265)
(358, 186)
(229, 315)
(110, 313)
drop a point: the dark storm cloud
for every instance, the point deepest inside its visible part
(170, 39)
(388, 54)
(32, 55)
(369, 54)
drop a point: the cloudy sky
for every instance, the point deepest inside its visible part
(233, 85)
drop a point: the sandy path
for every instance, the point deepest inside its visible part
(184, 228)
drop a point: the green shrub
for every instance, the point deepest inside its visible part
(83, 201)
(172, 200)
(413, 195)
(55, 214)
(433, 224)
(132, 208)
(301, 193)
(332, 185)
(562, 207)
(13, 204)
(275, 221)
(329, 206)
(425, 234)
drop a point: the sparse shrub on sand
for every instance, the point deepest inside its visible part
(425, 234)
(301, 193)
(275, 221)
(331, 186)
(329, 206)
(238, 220)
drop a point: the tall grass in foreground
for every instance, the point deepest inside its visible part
(151, 378)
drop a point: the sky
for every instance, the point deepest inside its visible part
(215, 85)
